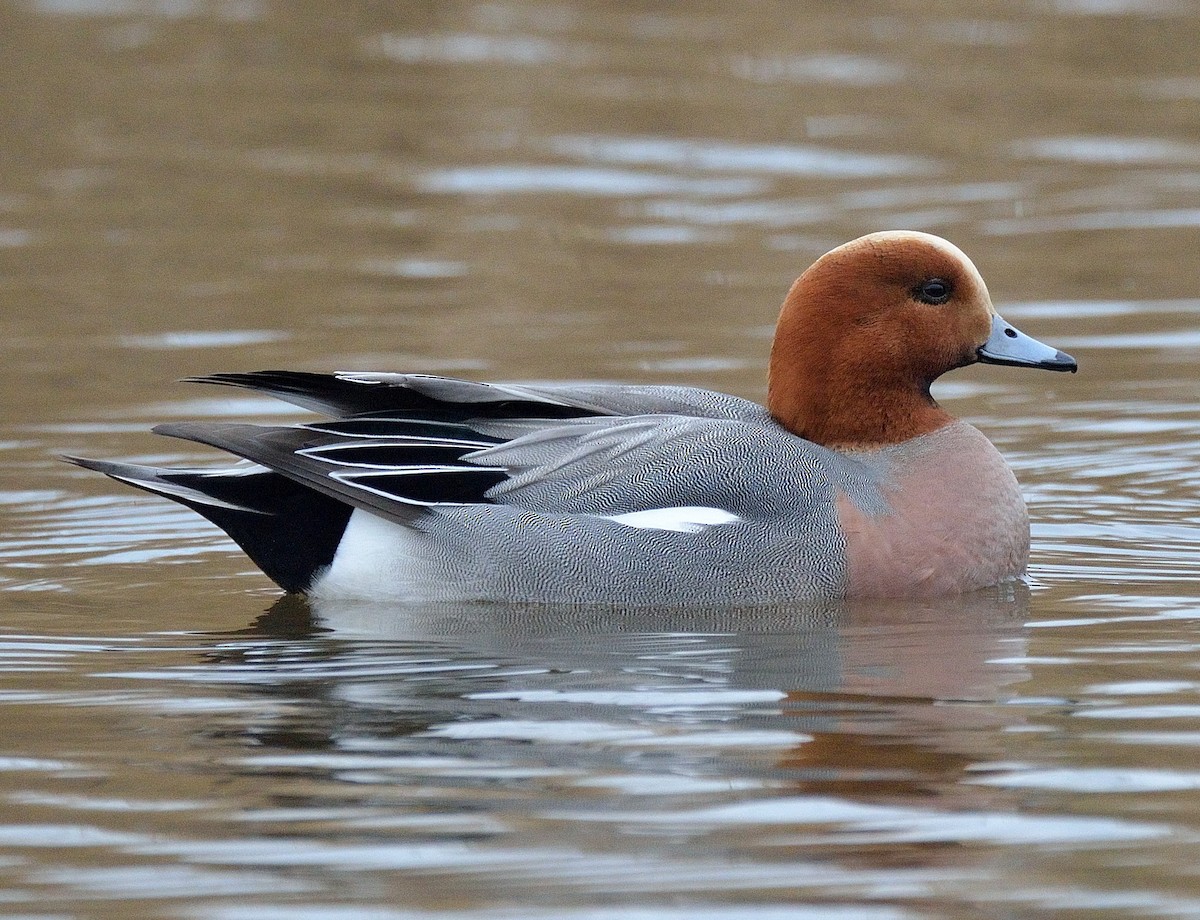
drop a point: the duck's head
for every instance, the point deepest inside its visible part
(870, 325)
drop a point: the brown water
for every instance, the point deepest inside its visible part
(526, 191)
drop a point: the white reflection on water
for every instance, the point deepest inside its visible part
(1095, 309)
(1095, 220)
(767, 213)
(1119, 7)
(473, 48)
(727, 156)
(847, 69)
(860, 822)
(651, 698)
(600, 733)
(1180, 338)
(90, 803)
(184, 882)
(583, 180)
(62, 835)
(169, 9)
(663, 234)
(412, 268)
(1119, 151)
(819, 911)
(1095, 779)
(11, 237)
(213, 338)
(907, 196)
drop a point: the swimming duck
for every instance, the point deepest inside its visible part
(851, 482)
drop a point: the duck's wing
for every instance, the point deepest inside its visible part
(607, 467)
(448, 399)
(398, 469)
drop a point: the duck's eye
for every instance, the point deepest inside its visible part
(934, 291)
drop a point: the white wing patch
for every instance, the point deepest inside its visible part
(685, 519)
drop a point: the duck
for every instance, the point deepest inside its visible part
(850, 482)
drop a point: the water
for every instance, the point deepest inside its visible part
(525, 191)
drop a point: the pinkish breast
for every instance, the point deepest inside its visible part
(956, 520)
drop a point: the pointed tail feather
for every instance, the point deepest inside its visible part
(291, 532)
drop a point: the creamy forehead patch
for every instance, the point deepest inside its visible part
(943, 246)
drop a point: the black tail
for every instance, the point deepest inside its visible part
(291, 532)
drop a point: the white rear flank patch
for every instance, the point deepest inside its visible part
(379, 560)
(684, 519)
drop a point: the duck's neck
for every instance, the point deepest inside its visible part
(842, 409)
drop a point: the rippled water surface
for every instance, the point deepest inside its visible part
(525, 191)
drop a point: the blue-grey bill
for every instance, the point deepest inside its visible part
(1008, 345)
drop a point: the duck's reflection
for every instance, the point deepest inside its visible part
(888, 699)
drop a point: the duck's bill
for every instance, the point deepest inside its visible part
(1007, 345)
